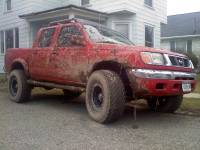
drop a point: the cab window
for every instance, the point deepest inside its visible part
(69, 36)
(46, 37)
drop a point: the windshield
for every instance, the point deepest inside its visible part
(104, 35)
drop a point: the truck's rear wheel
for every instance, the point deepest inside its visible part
(165, 104)
(71, 94)
(105, 96)
(19, 90)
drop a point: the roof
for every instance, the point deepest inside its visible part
(61, 8)
(182, 25)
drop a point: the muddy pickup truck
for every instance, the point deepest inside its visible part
(80, 56)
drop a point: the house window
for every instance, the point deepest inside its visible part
(16, 38)
(2, 42)
(9, 36)
(148, 3)
(46, 37)
(149, 36)
(123, 28)
(173, 46)
(9, 39)
(8, 5)
(189, 46)
(181, 45)
(85, 2)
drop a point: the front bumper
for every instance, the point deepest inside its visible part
(160, 83)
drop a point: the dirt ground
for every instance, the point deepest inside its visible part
(53, 123)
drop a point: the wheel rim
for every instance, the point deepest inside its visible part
(97, 97)
(161, 102)
(13, 86)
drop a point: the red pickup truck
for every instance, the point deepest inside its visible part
(81, 56)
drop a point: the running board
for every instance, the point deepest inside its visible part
(53, 85)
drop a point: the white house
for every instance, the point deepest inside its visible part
(182, 33)
(139, 20)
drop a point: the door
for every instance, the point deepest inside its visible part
(69, 61)
(39, 66)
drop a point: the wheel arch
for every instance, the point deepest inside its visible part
(19, 64)
(117, 67)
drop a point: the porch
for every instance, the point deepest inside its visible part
(42, 19)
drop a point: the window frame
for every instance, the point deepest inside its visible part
(186, 45)
(5, 6)
(149, 6)
(40, 36)
(153, 38)
(129, 23)
(170, 42)
(2, 42)
(189, 51)
(84, 4)
(14, 39)
(60, 32)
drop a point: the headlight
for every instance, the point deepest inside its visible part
(152, 58)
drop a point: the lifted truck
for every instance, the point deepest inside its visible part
(81, 56)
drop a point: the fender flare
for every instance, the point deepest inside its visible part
(23, 63)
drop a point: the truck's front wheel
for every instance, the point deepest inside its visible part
(105, 96)
(19, 90)
(165, 104)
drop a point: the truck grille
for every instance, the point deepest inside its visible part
(179, 61)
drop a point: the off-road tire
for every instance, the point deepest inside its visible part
(23, 92)
(165, 104)
(113, 96)
(71, 94)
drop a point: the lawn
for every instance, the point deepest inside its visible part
(198, 84)
(190, 105)
(2, 78)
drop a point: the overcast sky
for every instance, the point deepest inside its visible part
(183, 6)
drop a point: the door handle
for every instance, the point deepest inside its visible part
(54, 52)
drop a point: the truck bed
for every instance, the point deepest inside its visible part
(22, 55)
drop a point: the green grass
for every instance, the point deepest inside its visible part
(2, 79)
(197, 90)
(42, 91)
(191, 105)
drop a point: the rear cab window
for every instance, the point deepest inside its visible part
(46, 37)
(68, 35)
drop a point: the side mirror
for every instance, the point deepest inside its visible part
(77, 40)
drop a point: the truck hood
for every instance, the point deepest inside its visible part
(135, 49)
(130, 56)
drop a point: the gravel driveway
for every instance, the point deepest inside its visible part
(52, 123)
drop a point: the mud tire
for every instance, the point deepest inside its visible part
(165, 104)
(112, 95)
(19, 90)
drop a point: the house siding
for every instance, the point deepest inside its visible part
(10, 20)
(49, 4)
(140, 16)
(165, 44)
(196, 46)
(143, 15)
